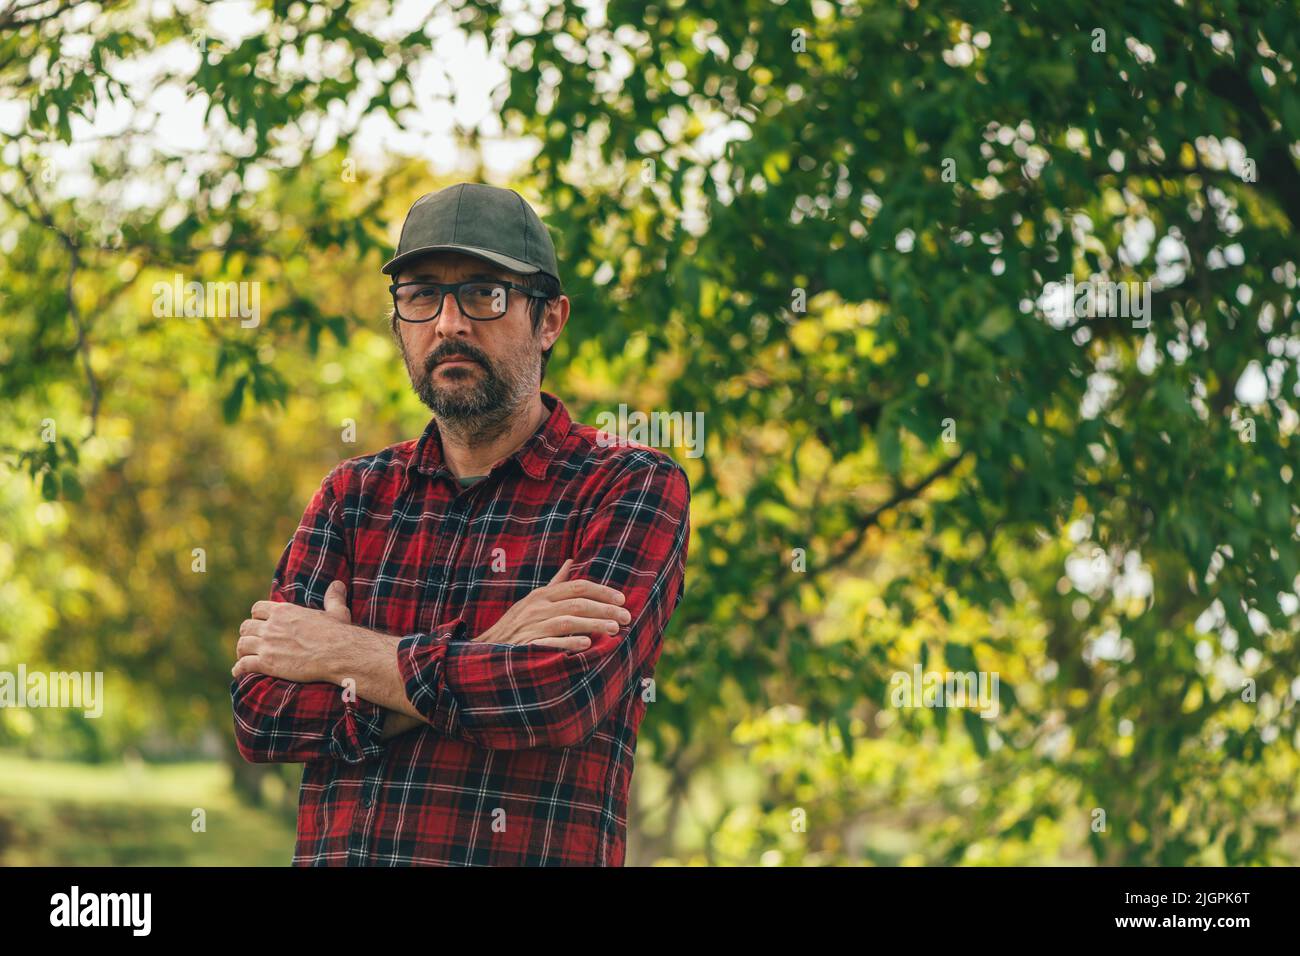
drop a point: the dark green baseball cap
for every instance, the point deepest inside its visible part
(479, 220)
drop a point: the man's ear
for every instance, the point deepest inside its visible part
(554, 319)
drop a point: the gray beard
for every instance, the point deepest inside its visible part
(475, 416)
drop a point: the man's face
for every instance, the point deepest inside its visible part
(470, 373)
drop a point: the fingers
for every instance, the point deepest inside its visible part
(250, 627)
(246, 665)
(572, 642)
(583, 607)
(561, 614)
(262, 610)
(336, 602)
(582, 588)
(563, 573)
(563, 624)
(247, 645)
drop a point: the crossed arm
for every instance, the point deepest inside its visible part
(303, 645)
(310, 685)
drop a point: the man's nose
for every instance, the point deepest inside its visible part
(451, 320)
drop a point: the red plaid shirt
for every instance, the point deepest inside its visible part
(528, 752)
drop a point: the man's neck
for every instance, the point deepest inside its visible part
(465, 459)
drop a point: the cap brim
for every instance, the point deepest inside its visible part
(395, 264)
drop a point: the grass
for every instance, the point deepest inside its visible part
(71, 814)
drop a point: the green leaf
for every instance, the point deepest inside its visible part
(959, 657)
(996, 324)
(234, 400)
(72, 489)
(975, 727)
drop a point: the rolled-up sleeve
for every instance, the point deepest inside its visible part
(282, 721)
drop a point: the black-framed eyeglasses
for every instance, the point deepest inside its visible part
(481, 299)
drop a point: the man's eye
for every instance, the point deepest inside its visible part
(481, 291)
(425, 292)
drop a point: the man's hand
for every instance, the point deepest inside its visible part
(559, 614)
(297, 643)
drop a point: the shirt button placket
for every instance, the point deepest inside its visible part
(364, 820)
(450, 533)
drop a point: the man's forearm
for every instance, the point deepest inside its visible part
(370, 663)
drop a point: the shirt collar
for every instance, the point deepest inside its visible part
(534, 456)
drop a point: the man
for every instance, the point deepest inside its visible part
(460, 636)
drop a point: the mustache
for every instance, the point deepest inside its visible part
(445, 353)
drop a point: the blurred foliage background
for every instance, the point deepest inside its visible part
(829, 228)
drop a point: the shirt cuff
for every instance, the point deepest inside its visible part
(358, 734)
(419, 661)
